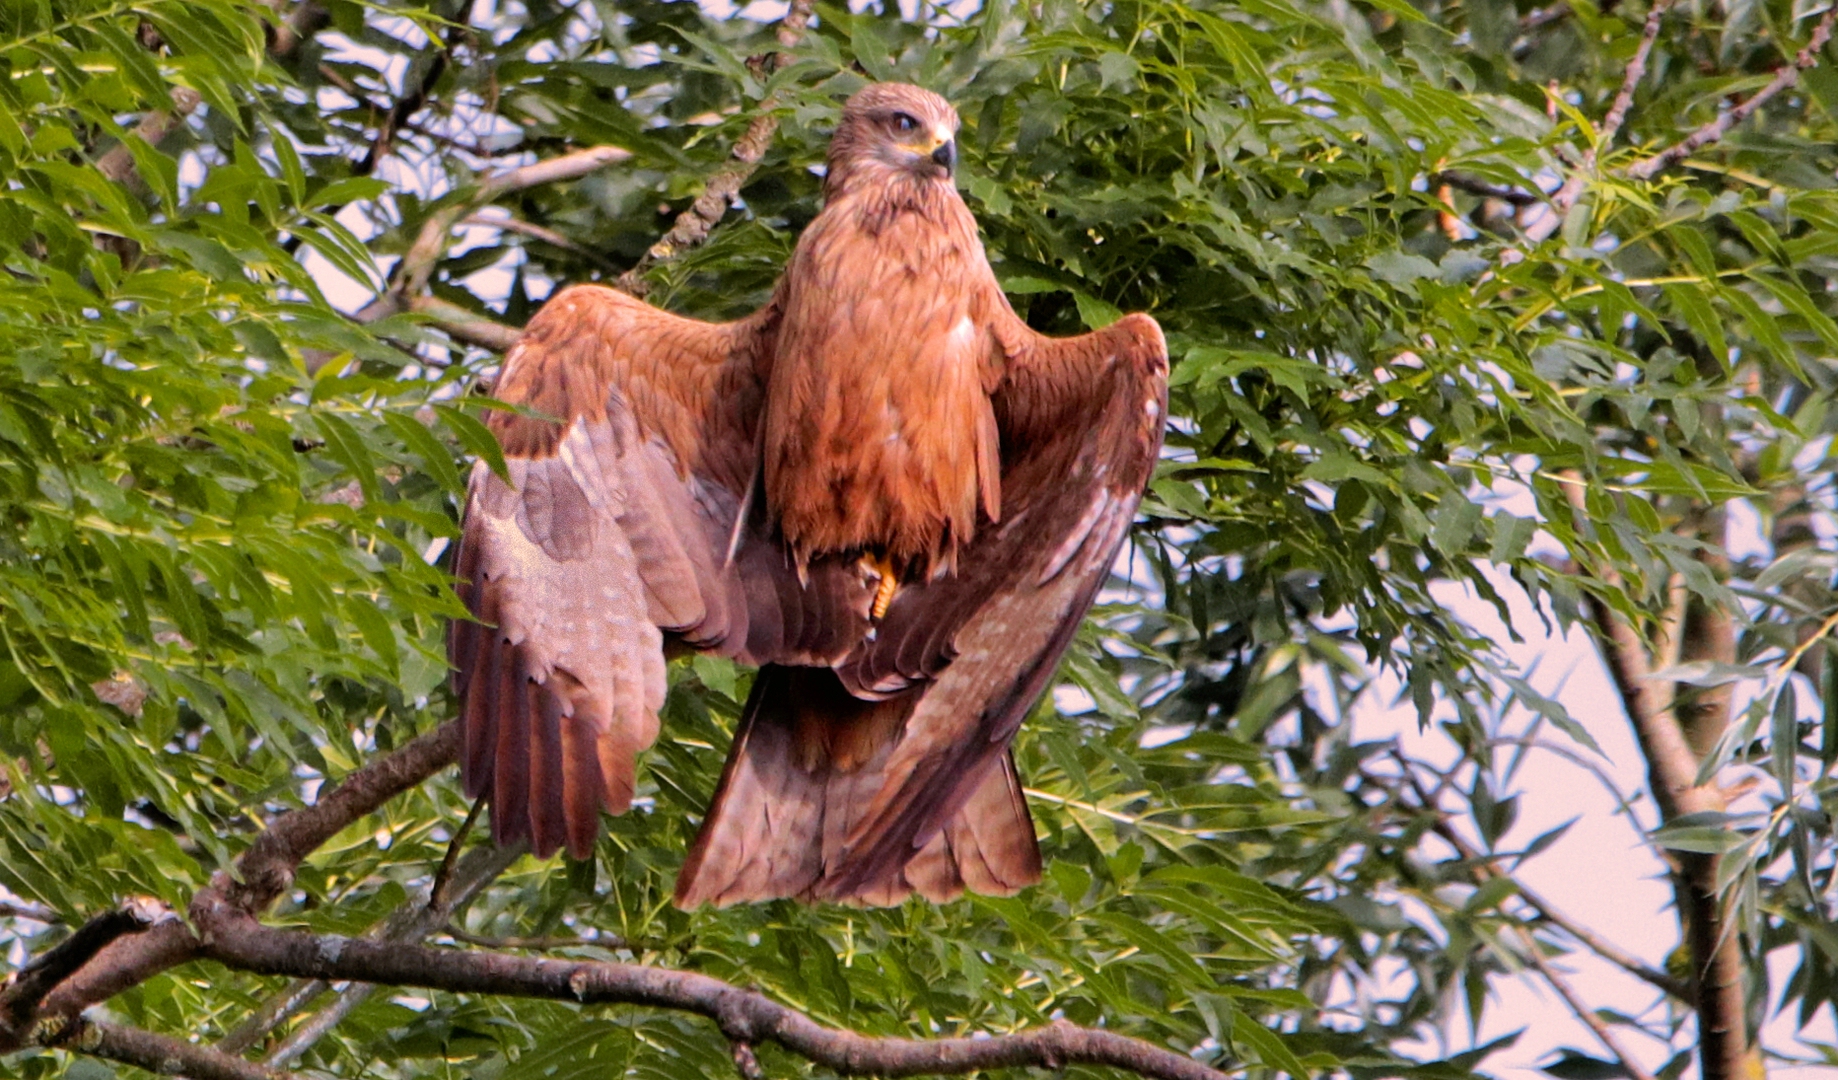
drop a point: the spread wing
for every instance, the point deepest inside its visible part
(1081, 427)
(618, 530)
(892, 776)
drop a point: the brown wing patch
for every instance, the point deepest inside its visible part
(824, 795)
(612, 532)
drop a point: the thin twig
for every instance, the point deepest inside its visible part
(1793, 658)
(1630, 79)
(1482, 870)
(1603, 1033)
(693, 225)
(437, 892)
(537, 232)
(1784, 79)
(413, 923)
(1549, 912)
(1476, 186)
(34, 912)
(417, 98)
(542, 944)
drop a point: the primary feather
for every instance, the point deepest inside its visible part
(718, 486)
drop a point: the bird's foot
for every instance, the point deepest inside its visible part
(881, 566)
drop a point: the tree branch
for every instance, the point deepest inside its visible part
(536, 232)
(1652, 706)
(693, 225)
(1630, 79)
(161, 1055)
(467, 326)
(117, 164)
(1483, 870)
(411, 277)
(25, 989)
(266, 869)
(34, 912)
(1603, 1033)
(417, 98)
(304, 20)
(1784, 79)
(1549, 912)
(412, 924)
(1474, 186)
(235, 938)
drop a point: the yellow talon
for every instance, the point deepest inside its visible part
(882, 566)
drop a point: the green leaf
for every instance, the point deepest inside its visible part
(476, 438)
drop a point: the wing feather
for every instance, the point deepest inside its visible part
(1081, 428)
(626, 473)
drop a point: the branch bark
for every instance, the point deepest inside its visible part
(693, 225)
(117, 164)
(233, 937)
(1672, 769)
(22, 993)
(266, 869)
(228, 931)
(1784, 79)
(161, 1055)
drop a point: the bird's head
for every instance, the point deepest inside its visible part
(894, 126)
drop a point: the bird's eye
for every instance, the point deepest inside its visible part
(903, 122)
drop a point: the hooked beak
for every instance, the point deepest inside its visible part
(946, 155)
(943, 151)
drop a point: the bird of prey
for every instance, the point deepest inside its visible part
(883, 487)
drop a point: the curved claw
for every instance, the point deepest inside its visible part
(881, 566)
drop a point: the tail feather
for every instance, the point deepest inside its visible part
(805, 766)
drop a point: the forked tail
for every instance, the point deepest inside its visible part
(806, 765)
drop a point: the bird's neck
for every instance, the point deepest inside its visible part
(875, 194)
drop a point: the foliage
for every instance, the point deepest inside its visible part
(225, 498)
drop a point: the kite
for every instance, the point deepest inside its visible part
(883, 488)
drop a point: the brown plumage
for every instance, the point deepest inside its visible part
(739, 489)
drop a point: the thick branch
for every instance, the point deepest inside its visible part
(266, 868)
(1784, 79)
(159, 1054)
(1652, 706)
(22, 993)
(305, 19)
(744, 1016)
